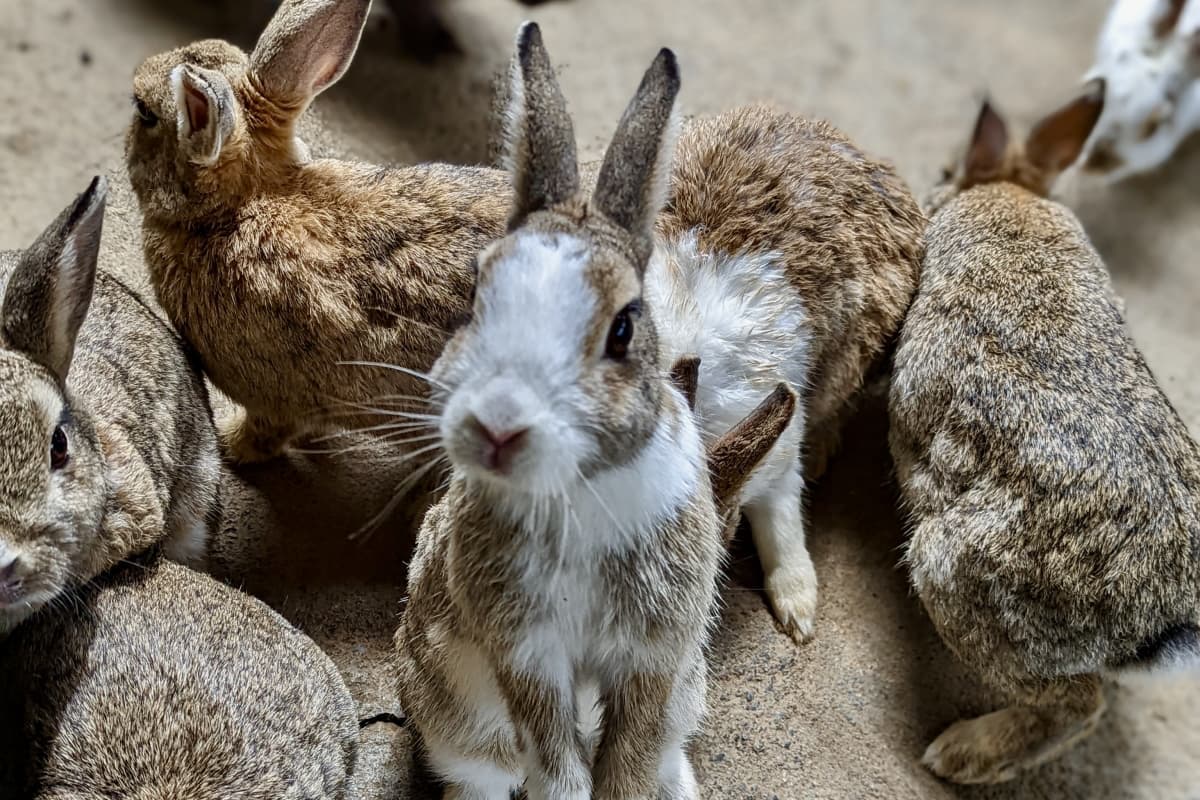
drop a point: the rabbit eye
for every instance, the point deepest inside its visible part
(148, 117)
(620, 333)
(59, 454)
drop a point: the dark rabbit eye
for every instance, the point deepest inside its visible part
(620, 333)
(148, 117)
(58, 449)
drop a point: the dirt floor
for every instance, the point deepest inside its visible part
(848, 715)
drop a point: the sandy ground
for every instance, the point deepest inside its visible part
(847, 715)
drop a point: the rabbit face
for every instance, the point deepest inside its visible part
(51, 498)
(536, 401)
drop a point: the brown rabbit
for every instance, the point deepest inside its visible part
(107, 444)
(158, 683)
(576, 552)
(1052, 490)
(281, 270)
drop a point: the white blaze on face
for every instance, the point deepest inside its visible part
(520, 367)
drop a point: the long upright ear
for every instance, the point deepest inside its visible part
(733, 457)
(635, 174)
(1058, 139)
(538, 131)
(206, 111)
(989, 143)
(306, 48)
(1166, 14)
(48, 295)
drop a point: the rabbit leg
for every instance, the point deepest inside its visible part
(676, 778)
(777, 521)
(543, 712)
(1043, 724)
(250, 439)
(636, 738)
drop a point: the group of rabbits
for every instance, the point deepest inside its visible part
(609, 364)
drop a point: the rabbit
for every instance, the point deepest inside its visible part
(1052, 492)
(107, 444)
(1148, 55)
(158, 683)
(573, 561)
(783, 254)
(285, 273)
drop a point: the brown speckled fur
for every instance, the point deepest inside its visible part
(142, 465)
(158, 683)
(277, 268)
(1053, 492)
(850, 234)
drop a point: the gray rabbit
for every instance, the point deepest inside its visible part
(107, 444)
(1053, 492)
(159, 683)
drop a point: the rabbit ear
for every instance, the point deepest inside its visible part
(686, 375)
(989, 143)
(205, 109)
(1165, 17)
(1058, 139)
(733, 457)
(49, 292)
(539, 134)
(306, 48)
(635, 175)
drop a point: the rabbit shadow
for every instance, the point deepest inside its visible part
(437, 111)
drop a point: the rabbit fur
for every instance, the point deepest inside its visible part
(1148, 55)
(159, 683)
(1053, 493)
(87, 370)
(575, 569)
(286, 273)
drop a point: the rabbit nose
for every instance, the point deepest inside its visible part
(500, 445)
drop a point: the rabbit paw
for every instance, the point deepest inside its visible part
(252, 440)
(996, 747)
(792, 590)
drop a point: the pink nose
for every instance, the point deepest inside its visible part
(500, 446)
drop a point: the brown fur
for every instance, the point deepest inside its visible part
(849, 232)
(278, 269)
(1053, 492)
(158, 683)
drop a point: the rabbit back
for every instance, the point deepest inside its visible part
(846, 230)
(1052, 487)
(159, 682)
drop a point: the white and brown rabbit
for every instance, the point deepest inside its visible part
(106, 438)
(281, 270)
(572, 564)
(158, 683)
(1052, 490)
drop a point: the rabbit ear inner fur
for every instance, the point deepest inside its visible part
(988, 147)
(635, 174)
(206, 111)
(48, 295)
(540, 135)
(1058, 139)
(306, 48)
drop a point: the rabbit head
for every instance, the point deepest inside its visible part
(1149, 59)
(557, 374)
(52, 478)
(1052, 146)
(212, 123)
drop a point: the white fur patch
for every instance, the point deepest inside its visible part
(1146, 79)
(744, 320)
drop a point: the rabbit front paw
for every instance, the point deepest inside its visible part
(792, 590)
